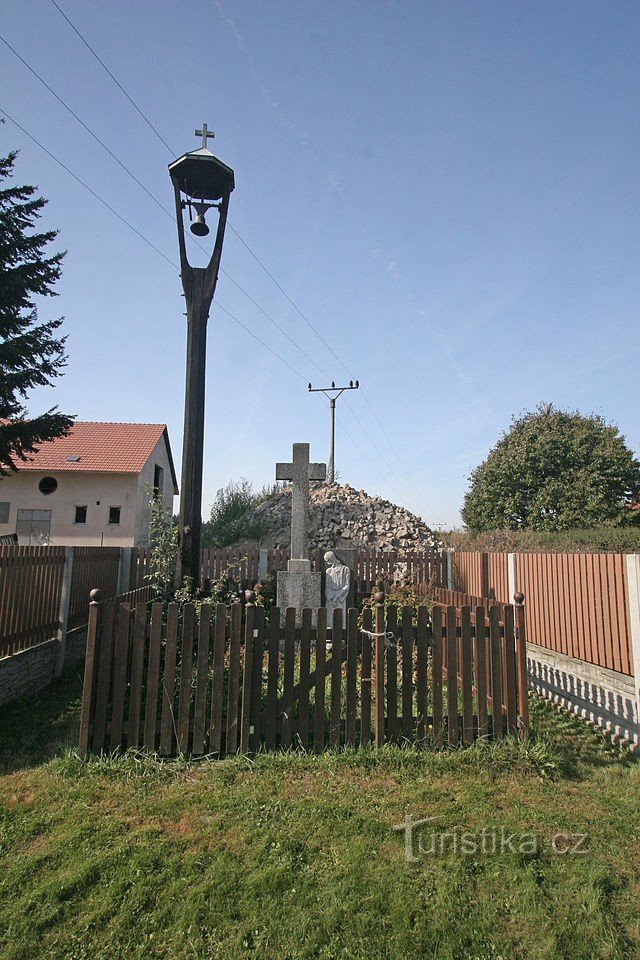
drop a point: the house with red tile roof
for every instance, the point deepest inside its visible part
(91, 487)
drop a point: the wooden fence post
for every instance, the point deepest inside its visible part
(250, 637)
(379, 662)
(91, 661)
(521, 661)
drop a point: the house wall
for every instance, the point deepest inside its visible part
(96, 491)
(160, 458)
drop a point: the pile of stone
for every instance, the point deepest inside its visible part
(340, 516)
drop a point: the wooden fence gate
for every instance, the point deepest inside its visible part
(221, 680)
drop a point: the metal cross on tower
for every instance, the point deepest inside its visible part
(204, 133)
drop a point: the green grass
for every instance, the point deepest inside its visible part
(295, 856)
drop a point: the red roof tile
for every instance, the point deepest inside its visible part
(101, 448)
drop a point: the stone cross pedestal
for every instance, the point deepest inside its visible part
(299, 586)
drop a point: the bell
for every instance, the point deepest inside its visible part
(199, 226)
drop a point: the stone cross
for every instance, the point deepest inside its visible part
(300, 472)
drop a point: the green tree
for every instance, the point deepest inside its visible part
(233, 516)
(554, 470)
(163, 540)
(31, 355)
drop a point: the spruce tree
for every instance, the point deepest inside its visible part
(31, 354)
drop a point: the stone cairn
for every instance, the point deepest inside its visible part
(340, 516)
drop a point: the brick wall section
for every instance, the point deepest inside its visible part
(27, 672)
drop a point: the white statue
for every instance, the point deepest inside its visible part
(337, 580)
(400, 569)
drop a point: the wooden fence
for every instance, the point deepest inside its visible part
(31, 581)
(481, 575)
(31, 590)
(415, 567)
(577, 603)
(242, 565)
(172, 682)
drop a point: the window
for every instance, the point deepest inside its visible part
(4, 512)
(81, 515)
(158, 480)
(48, 485)
(33, 526)
(114, 514)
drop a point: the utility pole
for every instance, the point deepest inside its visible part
(333, 393)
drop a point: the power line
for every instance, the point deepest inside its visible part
(168, 213)
(83, 124)
(239, 237)
(162, 207)
(364, 452)
(174, 265)
(291, 301)
(142, 237)
(256, 337)
(277, 325)
(115, 79)
(230, 225)
(91, 191)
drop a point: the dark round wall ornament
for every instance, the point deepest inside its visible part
(48, 485)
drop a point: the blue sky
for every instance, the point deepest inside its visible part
(447, 191)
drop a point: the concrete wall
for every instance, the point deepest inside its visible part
(24, 674)
(603, 697)
(98, 492)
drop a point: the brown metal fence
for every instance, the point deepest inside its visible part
(93, 567)
(31, 583)
(221, 681)
(577, 604)
(482, 575)
(30, 588)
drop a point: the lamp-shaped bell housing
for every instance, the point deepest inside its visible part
(202, 176)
